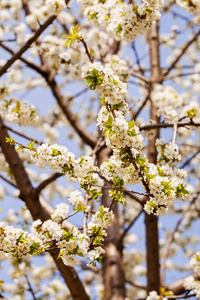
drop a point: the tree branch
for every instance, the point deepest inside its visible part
(86, 137)
(30, 64)
(24, 135)
(151, 221)
(130, 225)
(46, 182)
(140, 108)
(166, 125)
(27, 45)
(177, 287)
(184, 49)
(31, 198)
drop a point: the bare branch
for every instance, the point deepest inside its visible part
(30, 64)
(47, 181)
(166, 251)
(86, 49)
(8, 181)
(130, 225)
(87, 137)
(175, 133)
(139, 76)
(136, 56)
(27, 45)
(140, 108)
(166, 125)
(24, 135)
(184, 49)
(180, 75)
(190, 159)
(136, 284)
(30, 289)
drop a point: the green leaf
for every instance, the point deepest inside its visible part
(73, 36)
(31, 145)
(10, 140)
(119, 28)
(110, 120)
(60, 254)
(55, 152)
(131, 124)
(181, 191)
(94, 79)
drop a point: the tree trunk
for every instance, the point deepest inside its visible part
(151, 221)
(113, 273)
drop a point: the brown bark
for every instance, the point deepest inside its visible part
(151, 221)
(113, 273)
(177, 287)
(31, 198)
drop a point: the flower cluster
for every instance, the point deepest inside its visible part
(56, 156)
(77, 200)
(18, 112)
(121, 20)
(55, 6)
(119, 66)
(96, 231)
(18, 242)
(165, 182)
(60, 213)
(118, 131)
(195, 263)
(160, 181)
(167, 153)
(154, 296)
(74, 243)
(70, 243)
(60, 158)
(47, 231)
(166, 99)
(190, 283)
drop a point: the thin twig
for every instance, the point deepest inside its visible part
(175, 133)
(181, 296)
(136, 56)
(180, 75)
(140, 108)
(7, 40)
(118, 189)
(166, 125)
(169, 243)
(30, 289)
(85, 214)
(184, 49)
(86, 49)
(24, 135)
(27, 45)
(166, 251)
(77, 95)
(8, 181)
(190, 159)
(130, 225)
(30, 64)
(136, 284)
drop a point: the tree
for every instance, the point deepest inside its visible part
(131, 124)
